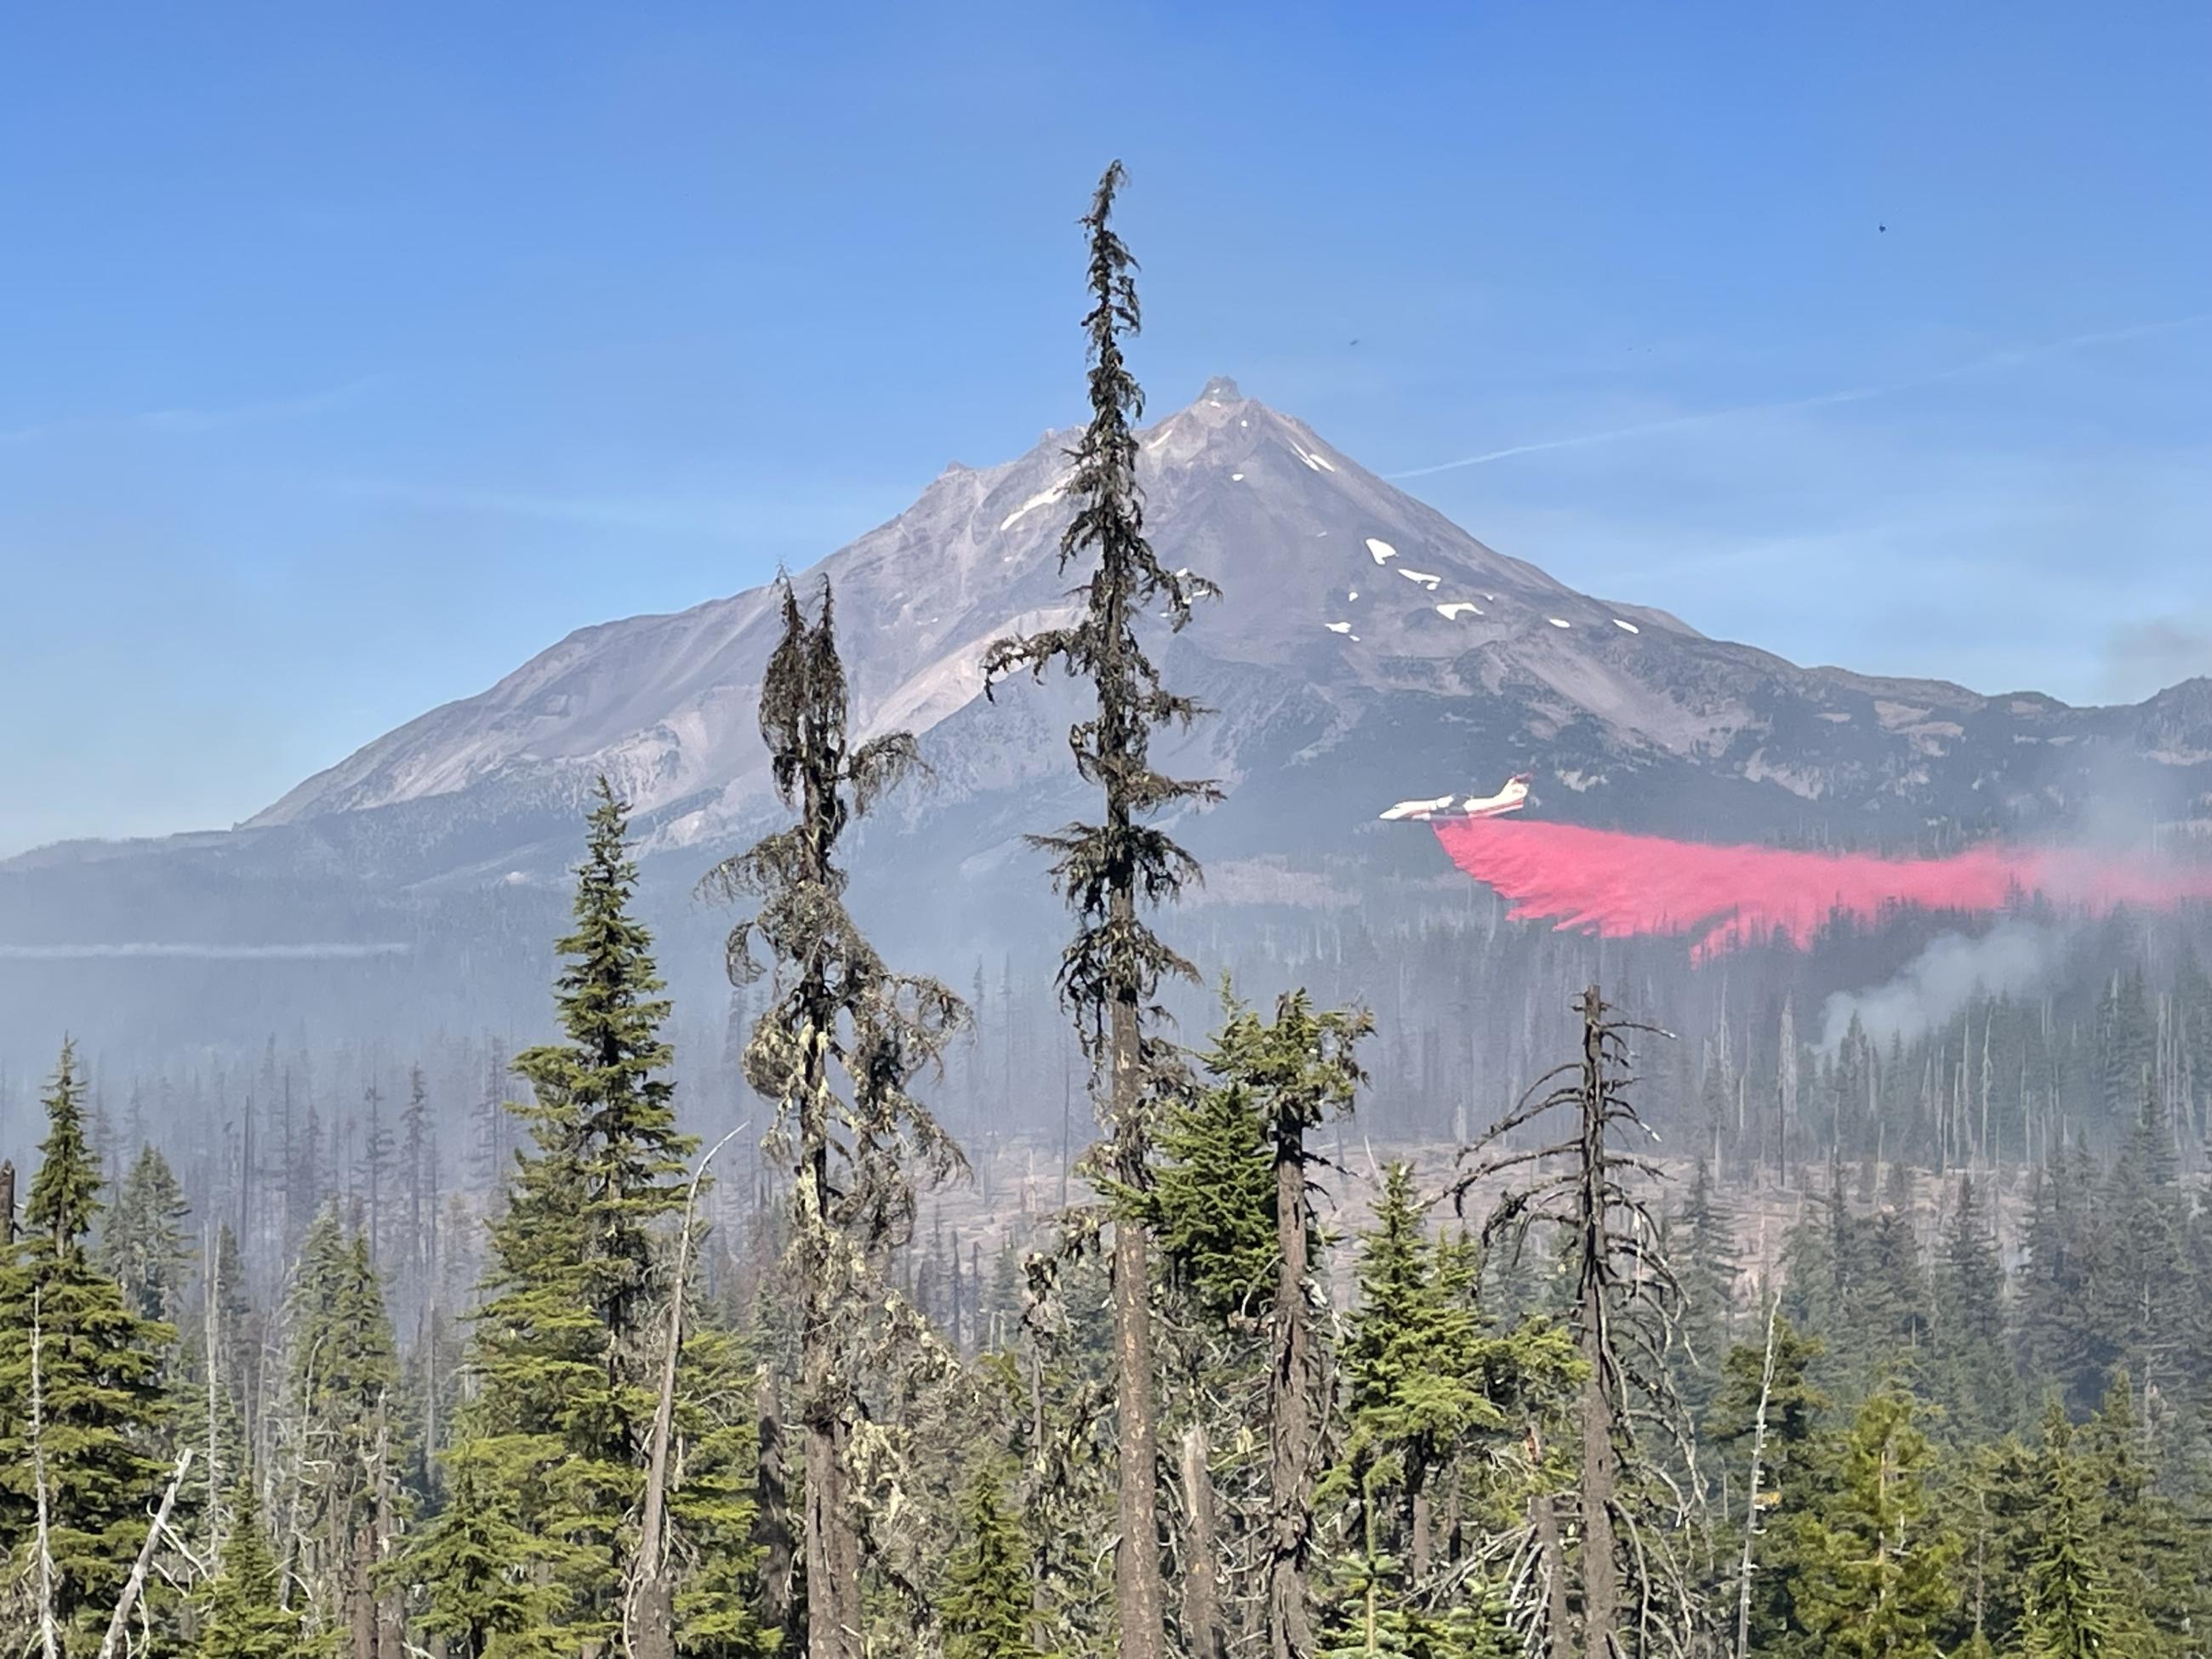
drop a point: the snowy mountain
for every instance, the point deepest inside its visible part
(1399, 648)
(1365, 650)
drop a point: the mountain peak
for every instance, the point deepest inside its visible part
(1220, 389)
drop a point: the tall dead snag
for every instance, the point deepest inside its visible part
(1631, 1509)
(836, 1014)
(1750, 1500)
(1303, 1069)
(1110, 973)
(649, 1601)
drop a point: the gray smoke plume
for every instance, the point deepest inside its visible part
(2012, 957)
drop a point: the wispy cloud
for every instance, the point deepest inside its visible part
(331, 952)
(670, 515)
(185, 419)
(2009, 357)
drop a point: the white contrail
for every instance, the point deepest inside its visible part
(2004, 359)
(202, 952)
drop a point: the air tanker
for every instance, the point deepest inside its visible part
(1512, 799)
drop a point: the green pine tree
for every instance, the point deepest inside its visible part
(1424, 1383)
(1795, 1477)
(483, 1589)
(1706, 1252)
(102, 1400)
(1971, 1347)
(2067, 1599)
(143, 1245)
(986, 1608)
(343, 1388)
(1875, 1580)
(572, 1323)
(243, 1615)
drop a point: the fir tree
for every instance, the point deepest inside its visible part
(566, 1332)
(244, 1615)
(986, 1609)
(1704, 1236)
(1108, 871)
(485, 1590)
(1972, 1356)
(2067, 1610)
(343, 1388)
(100, 1396)
(1423, 1383)
(143, 1245)
(1795, 1479)
(1874, 1578)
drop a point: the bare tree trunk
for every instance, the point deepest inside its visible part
(390, 1622)
(772, 1529)
(213, 1316)
(1201, 1600)
(361, 1599)
(649, 1611)
(1291, 1452)
(1137, 1599)
(7, 1203)
(49, 1634)
(833, 1553)
(1751, 1511)
(112, 1643)
(1557, 1623)
(1601, 1591)
(1421, 1542)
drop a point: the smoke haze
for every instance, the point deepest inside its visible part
(2014, 956)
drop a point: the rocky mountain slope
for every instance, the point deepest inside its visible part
(1364, 643)
(1365, 650)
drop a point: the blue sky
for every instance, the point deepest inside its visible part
(355, 354)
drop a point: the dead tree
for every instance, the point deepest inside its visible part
(49, 1630)
(1751, 1503)
(120, 1620)
(649, 1607)
(1110, 973)
(1630, 1508)
(1304, 1069)
(835, 1011)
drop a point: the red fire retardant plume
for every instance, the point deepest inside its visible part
(1615, 885)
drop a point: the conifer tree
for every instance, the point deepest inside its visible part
(419, 1154)
(1110, 871)
(1973, 1357)
(244, 1615)
(1874, 1579)
(143, 1245)
(2068, 1602)
(343, 1386)
(480, 1567)
(835, 1009)
(986, 1609)
(1767, 1401)
(101, 1404)
(1704, 1236)
(567, 1332)
(1425, 1389)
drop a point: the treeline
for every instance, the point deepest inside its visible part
(1465, 1012)
(1536, 1404)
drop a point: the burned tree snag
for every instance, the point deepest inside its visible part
(1111, 971)
(835, 1012)
(1629, 1508)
